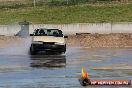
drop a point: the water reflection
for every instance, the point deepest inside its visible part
(48, 61)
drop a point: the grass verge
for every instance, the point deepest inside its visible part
(67, 14)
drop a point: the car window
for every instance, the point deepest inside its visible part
(48, 32)
(53, 32)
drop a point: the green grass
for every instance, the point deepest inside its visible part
(67, 14)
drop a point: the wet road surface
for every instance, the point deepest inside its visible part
(18, 69)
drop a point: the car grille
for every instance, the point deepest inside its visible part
(48, 43)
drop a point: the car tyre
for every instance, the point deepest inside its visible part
(32, 52)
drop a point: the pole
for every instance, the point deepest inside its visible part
(67, 2)
(34, 2)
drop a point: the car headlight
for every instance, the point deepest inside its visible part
(37, 42)
(59, 43)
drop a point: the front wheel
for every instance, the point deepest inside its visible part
(32, 51)
(62, 52)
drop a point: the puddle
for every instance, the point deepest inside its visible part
(48, 61)
(18, 69)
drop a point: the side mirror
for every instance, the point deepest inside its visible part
(65, 36)
(31, 34)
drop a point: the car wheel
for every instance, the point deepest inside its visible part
(65, 48)
(60, 53)
(32, 52)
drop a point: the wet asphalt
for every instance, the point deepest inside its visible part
(19, 69)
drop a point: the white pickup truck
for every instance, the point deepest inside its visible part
(48, 40)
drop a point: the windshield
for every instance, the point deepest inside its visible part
(48, 32)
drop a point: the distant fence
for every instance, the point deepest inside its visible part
(102, 28)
